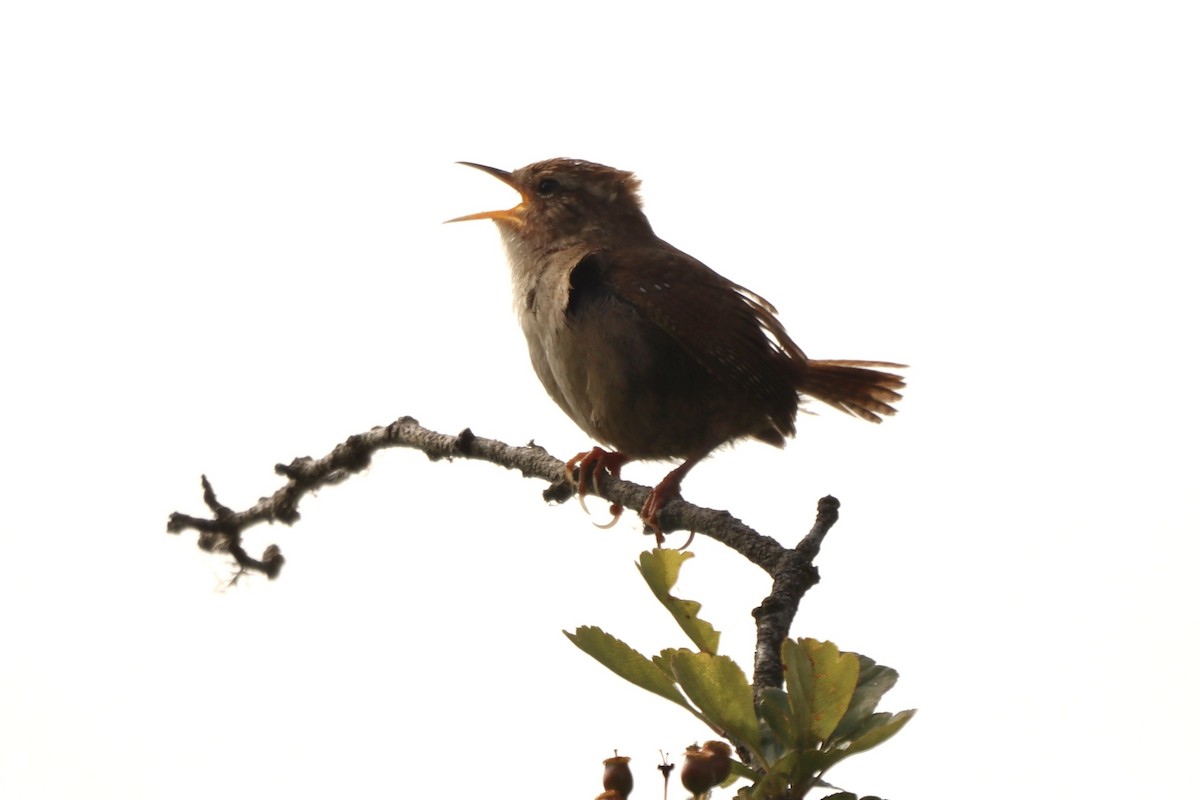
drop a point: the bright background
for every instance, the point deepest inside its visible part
(221, 247)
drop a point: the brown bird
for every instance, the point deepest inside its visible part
(649, 351)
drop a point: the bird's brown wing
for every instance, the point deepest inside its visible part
(731, 332)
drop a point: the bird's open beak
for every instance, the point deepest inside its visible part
(509, 215)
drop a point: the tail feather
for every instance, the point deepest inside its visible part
(854, 387)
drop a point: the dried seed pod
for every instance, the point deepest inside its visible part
(617, 776)
(719, 756)
(706, 767)
(697, 774)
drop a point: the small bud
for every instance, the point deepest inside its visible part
(617, 776)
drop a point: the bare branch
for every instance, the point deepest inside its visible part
(794, 575)
(223, 531)
(793, 570)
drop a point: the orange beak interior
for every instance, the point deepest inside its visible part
(508, 215)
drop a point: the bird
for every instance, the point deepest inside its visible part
(653, 354)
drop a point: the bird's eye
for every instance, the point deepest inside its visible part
(547, 186)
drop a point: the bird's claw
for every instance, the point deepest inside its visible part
(649, 514)
(590, 466)
(615, 509)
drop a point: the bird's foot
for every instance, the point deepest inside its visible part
(590, 466)
(660, 495)
(666, 491)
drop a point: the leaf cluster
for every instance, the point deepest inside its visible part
(788, 737)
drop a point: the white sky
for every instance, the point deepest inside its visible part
(221, 239)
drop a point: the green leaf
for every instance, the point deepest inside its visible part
(799, 769)
(874, 680)
(660, 569)
(835, 674)
(739, 770)
(878, 729)
(786, 766)
(798, 677)
(627, 662)
(718, 687)
(774, 783)
(776, 712)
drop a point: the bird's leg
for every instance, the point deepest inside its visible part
(590, 465)
(666, 491)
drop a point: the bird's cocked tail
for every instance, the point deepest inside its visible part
(855, 387)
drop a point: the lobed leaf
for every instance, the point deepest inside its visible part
(874, 680)
(798, 677)
(877, 730)
(627, 662)
(660, 569)
(834, 678)
(719, 689)
(776, 712)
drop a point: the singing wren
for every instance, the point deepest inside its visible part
(648, 350)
